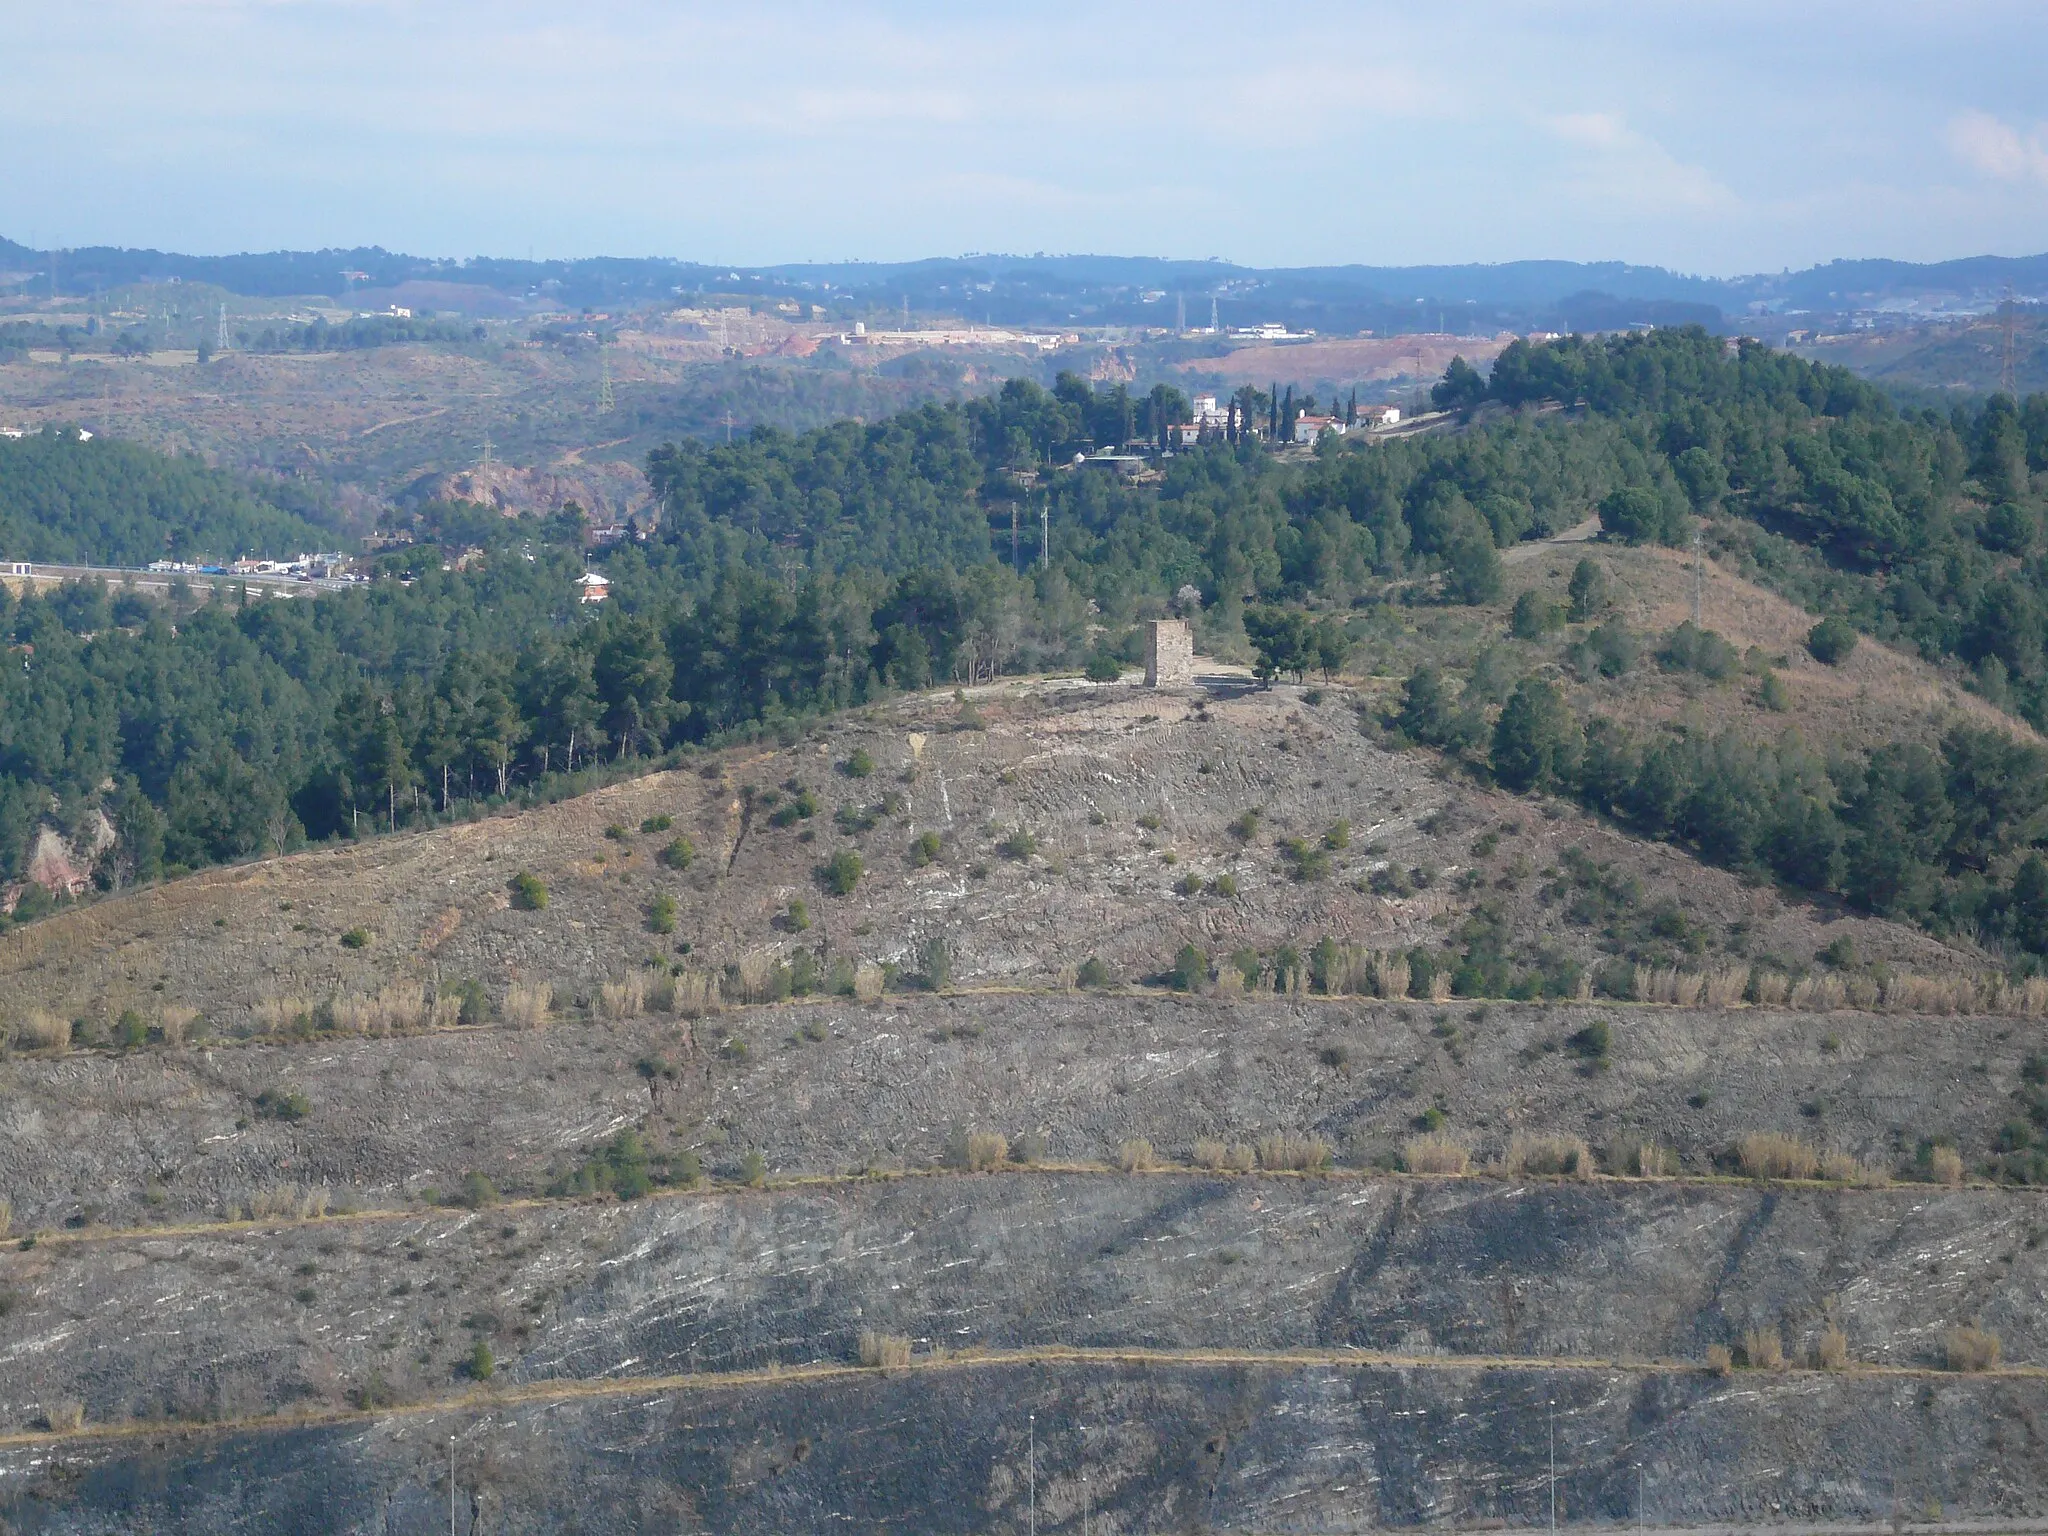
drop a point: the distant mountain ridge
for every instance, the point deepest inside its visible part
(1040, 289)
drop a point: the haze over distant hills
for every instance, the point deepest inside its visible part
(1102, 290)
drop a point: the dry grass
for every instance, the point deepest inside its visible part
(1223, 1157)
(1770, 988)
(6, 1217)
(1283, 1151)
(868, 981)
(66, 1416)
(1229, 982)
(1971, 1349)
(1136, 1155)
(446, 1011)
(696, 994)
(1435, 1152)
(1819, 994)
(1763, 1350)
(273, 1015)
(1945, 1164)
(41, 1030)
(1907, 992)
(1643, 1160)
(1528, 1155)
(623, 999)
(1725, 987)
(1720, 1359)
(528, 1004)
(1774, 1155)
(986, 1150)
(280, 1202)
(1842, 1168)
(175, 1023)
(1831, 1349)
(1683, 989)
(884, 1351)
(1390, 975)
(1440, 987)
(754, 976)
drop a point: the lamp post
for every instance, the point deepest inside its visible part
(1553, 1464)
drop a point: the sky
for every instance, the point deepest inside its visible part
(1715, 138)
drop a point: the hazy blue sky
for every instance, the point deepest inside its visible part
(1711, 137)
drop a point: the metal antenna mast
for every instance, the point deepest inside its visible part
(605, 400)
(220, 341)
(1045, 532)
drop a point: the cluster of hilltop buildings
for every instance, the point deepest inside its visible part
(1213, 422)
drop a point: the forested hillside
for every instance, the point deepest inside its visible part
(796, 573)
(103, 502)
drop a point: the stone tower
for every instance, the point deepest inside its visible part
(1169, 653)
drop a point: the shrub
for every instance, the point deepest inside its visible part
(1720, 1360)
(615, 833)
(1338, 837)
(1245, 827)
(1435, 1152)
(1223, 885)
(1103, 668)
(1588, 591)
(1642, 1159)
(661, 914)
(1020, 844)
(64, 1417)
(1547, 1155)
(841, 873)
(1842, 1168)
(1945, 1165)
(1763, 1350)
(657, 823)
(858, 764)
(1774, 1155)
(1190, 969)
(1093, 973)
(359, 938)
(1831, 1349)
(1283, 1151)
(679, 854)
(798, 918)
(1534, 616)
(1773, 694)
(925, 849)
(528, 893)
(129, 1030)
(1136, 1155)
(477, 1192)
(1831, 640)
(1971, 1349)
(528, 1004)
(483, 1365)
(884, 1351)
(286, 1104)
(753, 1170)
(986, 1150)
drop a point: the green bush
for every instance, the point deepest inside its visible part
(1020, 844)
(287, 1104)
(1831, 640)
(1094, 973)
(528, 893)
(1534, 616)
(935, 964)
(615, 832)
(841, 873)
(679, 854)
(483, 1365)
(657, 823)
(130, 1030)
(858, 764)
(477, 1192)
(1588, 591)
(1338, 837)
(798, 918)
(1103, 668)
(1190, 969)
(661, 914)
(925, 849)
(356, 938)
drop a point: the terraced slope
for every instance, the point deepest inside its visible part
(261, 1276)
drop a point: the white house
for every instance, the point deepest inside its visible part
(596, 587)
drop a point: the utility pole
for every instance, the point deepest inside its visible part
(451, 1485)
(1699, 576)
(1639, 1495)
(1031, 1462)
(604, 385)
(1045, 532)
(1013, 536)
(486, 470)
